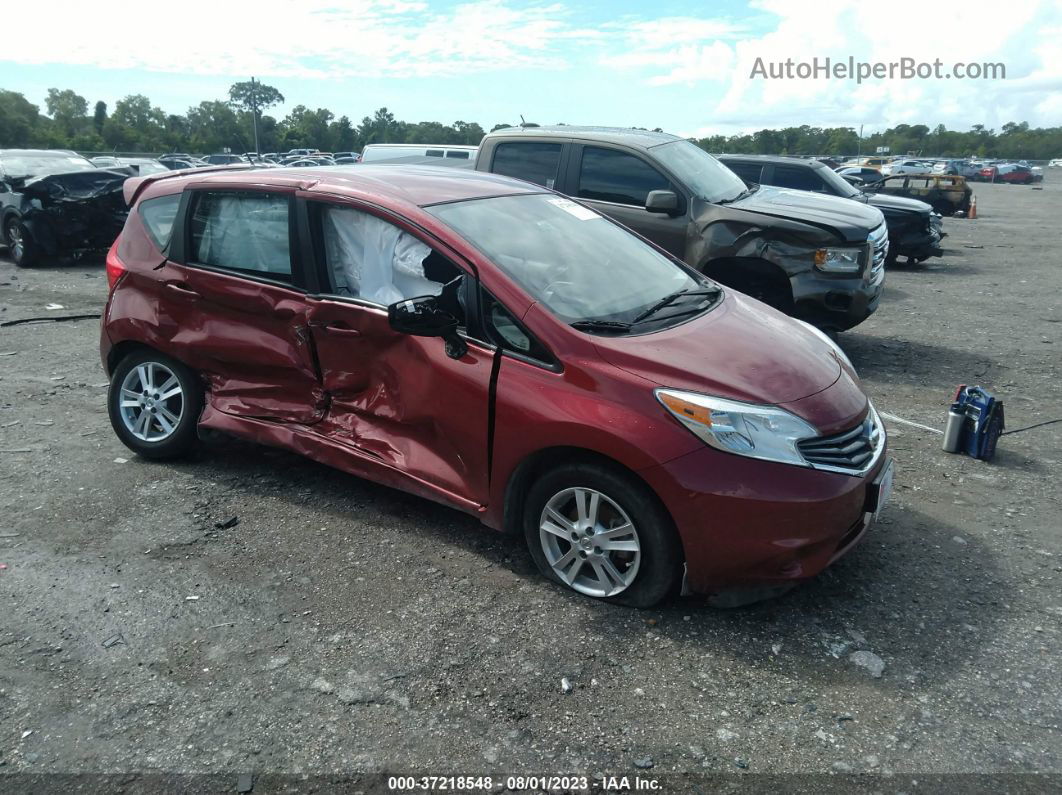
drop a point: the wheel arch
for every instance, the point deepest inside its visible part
(540, 461)
(745, 272)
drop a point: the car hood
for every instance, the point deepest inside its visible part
(896, 205)
(741, 350)
(852, 221)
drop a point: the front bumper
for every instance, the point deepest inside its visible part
(745, 522)
(836, 303)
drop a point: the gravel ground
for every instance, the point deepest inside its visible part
(340, 628)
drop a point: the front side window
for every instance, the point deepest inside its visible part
(578, 264)
(609, 175)
(246, 232)
(531, 161)
(374, 260)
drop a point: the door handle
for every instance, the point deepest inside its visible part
(340, 331)
(181, 290)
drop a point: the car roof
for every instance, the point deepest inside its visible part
(57, 152)
(398, 184)
(645, 139)
(778, 159)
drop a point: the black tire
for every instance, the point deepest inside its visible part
(183, 438)
(659, 572)
(25, 252)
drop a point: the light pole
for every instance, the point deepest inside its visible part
(254, 115)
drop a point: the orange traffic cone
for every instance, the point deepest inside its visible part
(973, 208)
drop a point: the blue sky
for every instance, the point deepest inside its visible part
(683, 66)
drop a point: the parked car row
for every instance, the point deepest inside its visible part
(510, 348)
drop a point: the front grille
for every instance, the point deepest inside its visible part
(851, 451)
(879, 249)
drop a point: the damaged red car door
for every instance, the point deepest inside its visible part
(238, 308)
(400, 400)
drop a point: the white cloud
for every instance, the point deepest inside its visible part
(292, 38)
(1023, 35)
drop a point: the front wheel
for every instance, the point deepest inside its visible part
(603, 534)
(20, 243)
(154, 405)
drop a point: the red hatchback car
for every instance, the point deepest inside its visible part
(499, 348)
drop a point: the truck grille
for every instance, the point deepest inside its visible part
(879, 249)
(851, 452)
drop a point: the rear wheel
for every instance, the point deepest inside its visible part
(603, 534)
(154, 404)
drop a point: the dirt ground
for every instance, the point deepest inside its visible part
(341, 629)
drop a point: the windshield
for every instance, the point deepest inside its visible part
(840, 185)
(44, 163)
(702, 173)
(581, 266)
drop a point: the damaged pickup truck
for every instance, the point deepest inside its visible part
(915, 230)
(817, 258)
(57, 204)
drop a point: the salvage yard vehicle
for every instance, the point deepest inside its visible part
(867, 176)
(946, 194)
(818, 258)
(56, 203)
(375, 153)
(499, 348)
(905, 167)
(914, 229)
(138, 166)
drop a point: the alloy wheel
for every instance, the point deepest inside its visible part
(151, 402)
(14, 240)
(590, 542)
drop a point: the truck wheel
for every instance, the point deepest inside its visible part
(602, 533)
(20, 243)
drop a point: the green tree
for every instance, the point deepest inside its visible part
(247, 95)
(67, 109)
(20, 120)
(99, 116)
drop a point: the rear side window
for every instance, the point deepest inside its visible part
(243, 232)
(158, 216)
(534, 162)
(750, 172)
(460, 154)
(796, 178)
(612, 176)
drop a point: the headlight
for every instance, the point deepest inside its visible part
(838, 260)
(823, 336)
(747, 429)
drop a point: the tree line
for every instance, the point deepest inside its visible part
(135, 125)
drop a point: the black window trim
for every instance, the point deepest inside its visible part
(180, 254)
(483, 328)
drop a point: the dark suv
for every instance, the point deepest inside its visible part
(914, 229)
(818, 258)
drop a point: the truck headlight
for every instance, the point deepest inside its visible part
(838, 260)
(765, 432)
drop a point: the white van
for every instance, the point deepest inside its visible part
(450, 155)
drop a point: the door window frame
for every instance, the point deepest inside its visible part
(180, 247)
(575, 165)
(563, 160)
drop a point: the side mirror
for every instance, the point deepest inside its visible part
(662, 201)
(423, 317)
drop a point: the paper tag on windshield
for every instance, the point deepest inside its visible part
(580, 212)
